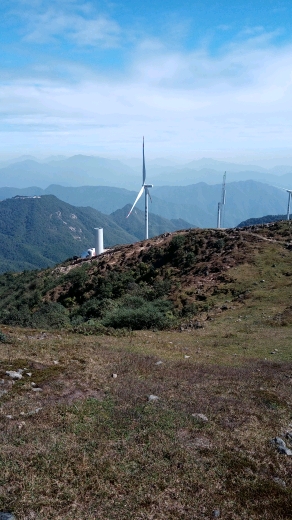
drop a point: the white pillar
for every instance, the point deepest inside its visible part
(98, 240)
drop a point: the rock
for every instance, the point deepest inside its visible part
(29, 374)
(216, 513)
(284, 451)
(279, 481)
(3, 392)
(198, 325)
(159, 363)
(56, 362)
(114, 376)
(279, 442)
(153, 398)
(187, 357)
(33, 384)
(37, 410)
(7, 516)
(37, 389)
(200, 416)
(9, 416)
(281, 446)
(13, 374)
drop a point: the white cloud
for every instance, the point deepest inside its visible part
(182, 102)
(82, 26)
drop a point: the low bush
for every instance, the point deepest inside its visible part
(51, 315)
(3, 337)
(156, 314)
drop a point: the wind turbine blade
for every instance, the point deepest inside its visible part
(137, 198)
(144, 169)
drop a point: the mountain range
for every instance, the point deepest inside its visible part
(79, 170)
(197, 203)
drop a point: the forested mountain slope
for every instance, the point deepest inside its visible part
(39, 232)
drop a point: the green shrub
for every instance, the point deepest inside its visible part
(151, 315)
(20, 316)
(176, 243)
(190, 259)
(95, 308)
(51, 315)
(3, 337)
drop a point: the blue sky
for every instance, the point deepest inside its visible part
(196, 78)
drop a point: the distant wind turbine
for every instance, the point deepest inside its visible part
(221, 204)
(289, 200)
(145, 189)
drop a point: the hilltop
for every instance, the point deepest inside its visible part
(191, 275)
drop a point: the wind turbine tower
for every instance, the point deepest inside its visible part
(289, 202)
(221, 204)
(145, 189)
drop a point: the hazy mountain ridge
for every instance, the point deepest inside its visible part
(82, 169)
(73, 171)
(267, 219)
(196, 203)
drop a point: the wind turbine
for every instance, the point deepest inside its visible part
(145, 189)
(289, 200)
(222, 203)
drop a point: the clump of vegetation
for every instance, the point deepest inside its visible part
(135, 313)
(3, 337)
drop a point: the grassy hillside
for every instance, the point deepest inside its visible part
(81, 435)
(38, 232)
(189, 276)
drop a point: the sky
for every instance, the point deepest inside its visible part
(196, 78)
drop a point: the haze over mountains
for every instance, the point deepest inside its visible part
(98, 171)
(196, 203)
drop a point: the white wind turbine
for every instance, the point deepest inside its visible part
(289, 200)
(145, 189)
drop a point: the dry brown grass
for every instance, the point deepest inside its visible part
(98, 449)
